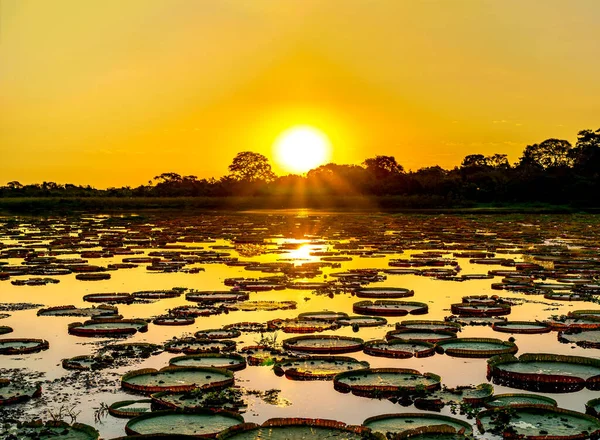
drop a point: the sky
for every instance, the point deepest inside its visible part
(115, 92)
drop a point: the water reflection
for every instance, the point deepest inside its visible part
(370, 241)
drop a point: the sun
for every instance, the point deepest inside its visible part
(301, 148)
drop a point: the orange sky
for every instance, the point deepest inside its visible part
(114, 92)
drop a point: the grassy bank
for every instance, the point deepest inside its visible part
(426, 204)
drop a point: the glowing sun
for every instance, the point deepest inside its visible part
(301, 148)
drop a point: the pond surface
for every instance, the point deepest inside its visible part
(200, 252)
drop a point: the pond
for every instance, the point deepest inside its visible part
(245, 270)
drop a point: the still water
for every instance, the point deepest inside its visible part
(365, 241)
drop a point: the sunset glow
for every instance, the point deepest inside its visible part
(302, 148)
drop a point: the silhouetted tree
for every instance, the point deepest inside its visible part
(381, 166)
(248, 166)
(548, 154)
(586, 154)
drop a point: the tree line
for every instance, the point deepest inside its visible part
(553, 171)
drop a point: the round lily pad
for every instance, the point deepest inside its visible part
(362, 321)
(431, 336)
(296, 325)
(255, 306)
(524, 327)
(324, 315)
(128, 409)
(545, 372)
(196, 311)
(474, 309)
(385, 381)
(296, 428)
(175, 379)
(231, 362)
(501, 400)
(198, 423)
(108, 327)
(218, 333)
(583, 338)
(417, 324)
(22, 346)
(475, 347)
(228, 398)
(217, 296)
(156, 294)
(384, 292)
(92, 312)
(261, 354)
(109, 298)
(470, 394)
(253, 327)
(396, 423)
(326, 344)
(174, 320)
(539, 422)
(193, 345)
(389, 308)
(398, 348)
(317, 367)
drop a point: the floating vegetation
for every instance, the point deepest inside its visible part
(522, 327)
(545, 372)
(193, 345)
(255, 306)
(297, 325)
(385, 382)
(419, 325)
(475, 347)
(461, 395)
(324, 315)
(397, 423)
(4, 329)
(174, 320)
(200, 423)
(230, 399)
(325, 344)
(317, 367)
(583, 338)
(131, 350)
(537, 422)
(53, 429)
(216, 296)
(296, 428)
(231, 361)
(502, 400)
(480, 310)
(218, 333)
(390, 308)
(176, 379)
(22, 346)
(88, 362)
(12, 392)
(431, 336)
(128, 409)
(399, 348)
(384, 292)
(109, 298)
(70, 310)
(108, 327)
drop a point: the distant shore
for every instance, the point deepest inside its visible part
(185, 205)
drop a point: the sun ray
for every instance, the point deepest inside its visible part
(302, 148)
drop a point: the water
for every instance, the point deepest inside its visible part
(370, 240)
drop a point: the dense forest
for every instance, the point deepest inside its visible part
(553, 171)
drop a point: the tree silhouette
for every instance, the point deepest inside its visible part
(551, 153)
(381, 166)
(248, 166)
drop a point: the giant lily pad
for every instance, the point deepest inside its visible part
(228, 398)
(193, 345)
(317, 367)
(398, 348)
(175, 379)
(108, 327)
(15, 392)
(545, 372)
(22, 346)
(296, 428)
(325, 344)
(56, 429)
(475, 347)
(231, 362)
(539, 422)
(389, 308)
(385, 381)
(384, 292)
(198, 423)
(396, 423)
(502, 400)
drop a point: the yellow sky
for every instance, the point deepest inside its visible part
(114, 92)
